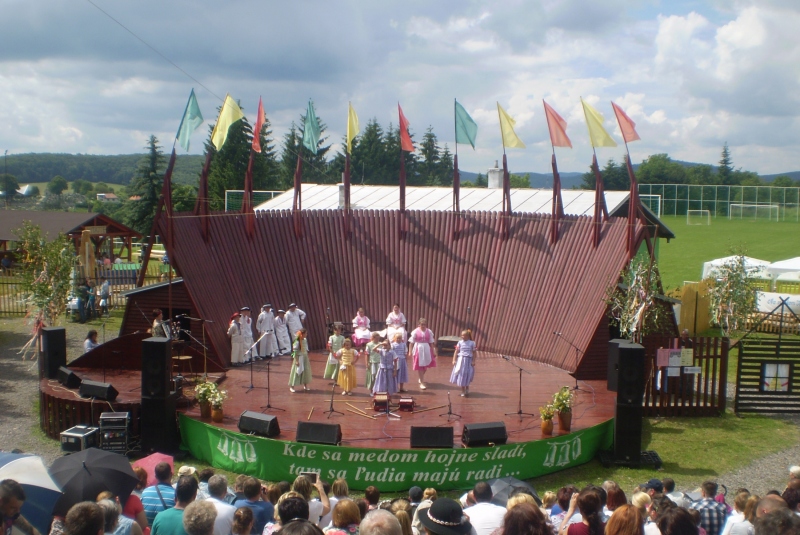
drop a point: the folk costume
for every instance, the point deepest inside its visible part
(268, 346)
(247, 334)
(335, 343)
(361, 332)
(372, 363)
(396, 323)
(237, 340)
(282, 335)
(294, 320)
(385, 378)
(421, 352)
(464, 370)
(402, 366)
(300, 374)
(347, 370)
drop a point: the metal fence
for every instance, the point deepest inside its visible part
(234, 197)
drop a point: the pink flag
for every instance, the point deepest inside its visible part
(626, 125)
(258, 126)
(557, 127)
(405, 138)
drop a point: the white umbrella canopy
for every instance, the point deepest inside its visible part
(754, 266)
(41, 492)
(784, 266)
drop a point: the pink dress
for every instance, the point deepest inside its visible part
(421, 351)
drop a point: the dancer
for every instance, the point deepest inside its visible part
(361, 333)
(300, 374)
(282, 334)
(399, 348)
(422, 347)
(464, 363)
(335, 343)
(247, 332)
(373, 359)
(347, 370)
(237, 340)
(396, 323)
(386, 378)
(295, 319)
(265, 326)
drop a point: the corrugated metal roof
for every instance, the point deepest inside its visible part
(527, 200)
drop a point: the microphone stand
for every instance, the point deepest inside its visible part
(519, 406)
(331, 410)
(577, 354)
(251, 387)
(203, 345)
(105, 351)
(450, 412)
(269, 391)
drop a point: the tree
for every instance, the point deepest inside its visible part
(9, 185)
(784, 181)
(615, 177)
(732, 295)
(429, 165)
(481, 181)
(57, 185)
(660, 169)
(747, 178)
(316, 168)
(34, 191)
(82, 187)
(102, 187)
(520, 181)
(147, 185)
(446, 168)
(632, 303)
(701, 174)
(725, 169)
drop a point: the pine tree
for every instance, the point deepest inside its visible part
(146, 184)
(725, 169)
(429, 166)
(446, 168)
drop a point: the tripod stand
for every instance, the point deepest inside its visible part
(331, 410)
(269, 390)
(519, 406)
(450, 412)
(577, 358)
(250, 351)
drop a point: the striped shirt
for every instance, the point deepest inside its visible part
(152, 503)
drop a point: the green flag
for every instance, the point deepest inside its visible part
(192, 119)
(311, 129)
(466, 128)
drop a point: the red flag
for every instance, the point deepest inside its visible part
(626, 125)
(260, 120)
(405, 138)
(557, 127)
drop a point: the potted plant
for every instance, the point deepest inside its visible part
(217, 398)
(202, 393)
(562, 403)
(547, 413)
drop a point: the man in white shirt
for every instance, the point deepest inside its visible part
(484, 516)
(265, 326)
(294, 320)
(217, 489)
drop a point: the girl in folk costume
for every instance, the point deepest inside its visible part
(335, 343)
(423, 349)
(373, 359)
(361, 333)
(282, 334)
(464, 363)
(399, 348)
(396, 323)
(347, 370)
(237, 340)
(300, 374)
(386, 378)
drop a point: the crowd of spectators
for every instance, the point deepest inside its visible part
(202, 503)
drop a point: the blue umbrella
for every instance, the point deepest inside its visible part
(41, 492)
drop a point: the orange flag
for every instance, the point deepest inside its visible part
(557, 127)
(405, 137)
(626, 125)
(258, 126)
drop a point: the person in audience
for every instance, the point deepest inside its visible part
(548, 501)
(414, 497)
(792, 498)
(737, 516)
(12, 496)
(316, 510)
(428, 497)
(242, 521)
(641, 500)
(141, 474)
(160, 496)
(291, 506)
(615, 497)
(238, 487)
(484, 516)
(401, 509)
(559, 510)
(695, 514)
(380, 522)
(345, 518)
(677, 521)
(778, 522)
(170, 521)
(745, 527)
(712, 513)
(114, 522)
(301, 527)
(524, 518)
(626, 520)
(770, 503)
(680, 499)
(363, 507)
(332, 501)
(199, 518)
(653, 487)
(254, 498)
(217, 490)
(203, 476)
(84, 518)
(660, 503)
(445, 517)
(590, 506)
(794, 477)
(373, 496)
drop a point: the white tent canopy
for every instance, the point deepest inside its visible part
(789, 276)
(784, 266)
(754, 266)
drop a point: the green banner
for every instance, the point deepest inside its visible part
(391, 470)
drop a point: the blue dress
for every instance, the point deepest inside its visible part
(402, 365)
(384, 379)
(463, 371)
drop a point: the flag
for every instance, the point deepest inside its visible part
(311, 131)
(405, 137)
(594, 122)
(466, 127)
(192, 119)
(626, 125)
(229, 114)
(510, 138)
(260, 120)
(557, 127)
(352, 127)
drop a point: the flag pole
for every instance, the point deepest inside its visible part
(456, 176)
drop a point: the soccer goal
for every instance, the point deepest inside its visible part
(698, 217)
(769, 212)
(652, 201)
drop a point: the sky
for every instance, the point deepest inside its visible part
(101, 76)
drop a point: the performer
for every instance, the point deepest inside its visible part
(399, 348)
(237, 340)
(282, 334)
(361, 332)
(335, 343)
(464, 363)
(300, 374)
(396, 323)
(422, 347)
(347, 370)
(159, 329)
(90, 342)
(295, 319)
(265, 326)
(386, 378)
(247, 333)
(373, 359)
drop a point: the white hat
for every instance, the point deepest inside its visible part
(187, 470)
(795, 471)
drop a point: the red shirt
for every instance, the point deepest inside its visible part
(132, 507)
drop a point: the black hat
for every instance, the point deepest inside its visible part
(654, 484)
(445, 517)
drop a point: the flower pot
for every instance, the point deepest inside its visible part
(547, 427)
(205, 409)
(216, 415)
(564, 420)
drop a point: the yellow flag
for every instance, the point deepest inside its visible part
(510, 138)
(352, 127)
(594, 121)
(229, 114)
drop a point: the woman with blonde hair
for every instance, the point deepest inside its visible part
(346, 518)
(300, 373)
(626, 520)
(401, 509)
(642, 501)
(316, 509)
(428, 497)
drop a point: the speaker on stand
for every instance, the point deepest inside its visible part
(158, 424)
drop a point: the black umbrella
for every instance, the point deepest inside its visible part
(503, 487)
(84, 475)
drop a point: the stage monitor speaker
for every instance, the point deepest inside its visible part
(53, 354)
(68, 378)
(98, 390)
(156, 367)
(158, 426)
(613, 363)
(630, 374)
(257, 423)
(484, 434)
(316, 433)
(628, 433)
(431, 437)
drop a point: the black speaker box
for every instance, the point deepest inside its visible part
(316, 433)
(613, 363)
(54, 352)
(630, 374)
(484, 434)
(628, 432)
(257, 423)
(156, 367)
(158, 426)
(431, 437)
(68, 378)
(96, 389)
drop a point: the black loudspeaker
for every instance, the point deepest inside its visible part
(158, 426)
(316, 433)
(265, 425)
(630, 374)
(54, 352)
(68, 378)
(431, 437)
(628, 433)
(98, 390)
(156, 367)
(613, 363)
(484, 434)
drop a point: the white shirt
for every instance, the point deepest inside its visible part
(294, 320)
(224, 521)
(735, 518)
(266, 322)
(651, 528)
(485, 517)
(315, 509)
(326, 520)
